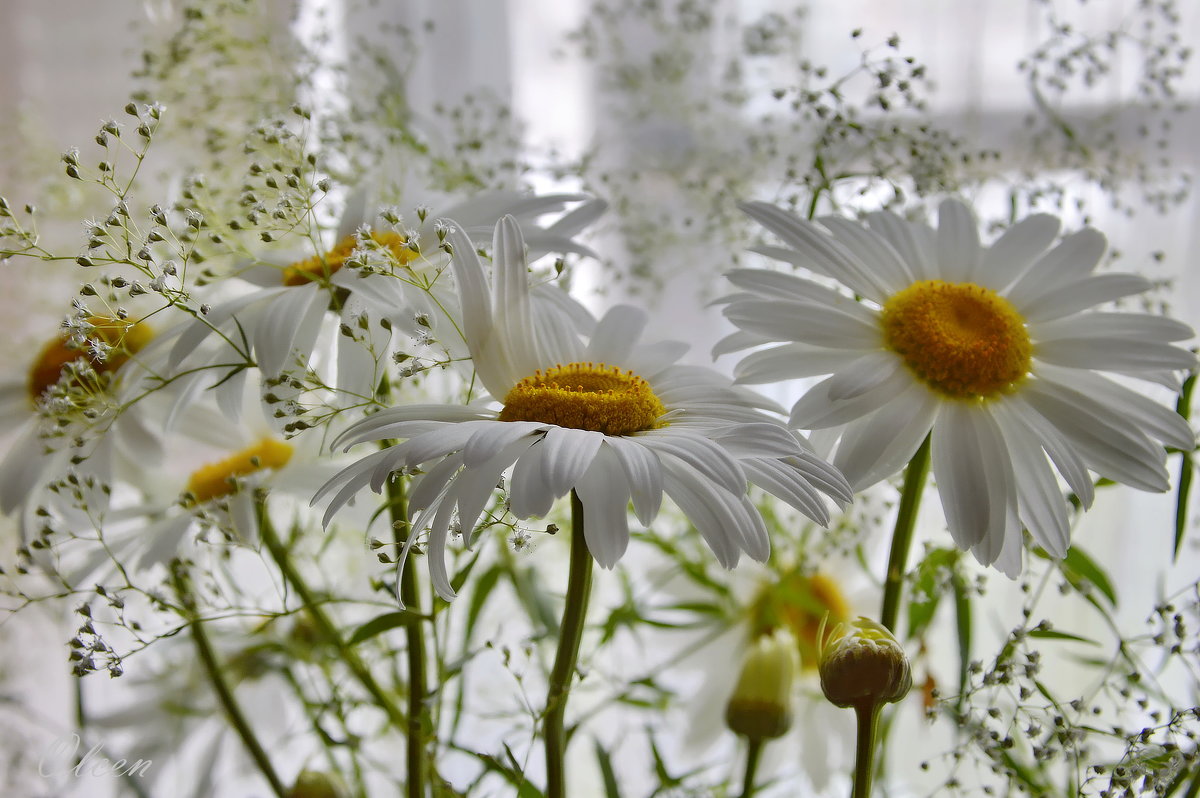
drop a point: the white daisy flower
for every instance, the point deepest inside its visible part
(995, 352)
(279, 321)
(218, 468)
(611, 419)
(65, 414)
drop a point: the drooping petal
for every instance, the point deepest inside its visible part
(643, 473)
(604, 494)
(880, 445)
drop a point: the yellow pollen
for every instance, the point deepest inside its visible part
(322, 266)
(799, 602)
(590, 396)
(219, 479)
(125, 337)
(963, 340)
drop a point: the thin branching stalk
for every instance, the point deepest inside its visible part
(330, 632)
(212, 669)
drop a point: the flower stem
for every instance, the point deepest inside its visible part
(325, 625)
(906, 519)
(753, 753)
(864, 754)
(414, 650)
(579, 585)
(212, 669)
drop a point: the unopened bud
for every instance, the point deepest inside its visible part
(315, 784)
(863, 665)
(761, 705)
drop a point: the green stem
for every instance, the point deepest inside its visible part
(579, 584)
(753, 754)
(864, 754)
(906, 520)
(414, 650)
(325, 625)
(229, 704)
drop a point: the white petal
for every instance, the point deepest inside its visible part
(862, 375)
(1075, 257)
(510, 298)
(702, 454)
(1010, 255)
(605, 494)
(913, 242)
(757, 440)
(1145, 326)
(643, 473)
(880, 445)
(616, 333)
(1074, 297)
(426, 487)
(1062, 454)
(966, 445)
(474, 486)
(371, 427)
(1116, 354)
(492, 438)
(737, 341)
(816, 409)
(871, 248)
(788, 361)
(1107, 445)
(821, 252)
(529, 494)
(787, 483)
(290, 319)
(957, 242)
(1043, 510)
(1151, 418)
(847, 326)
(568, 454)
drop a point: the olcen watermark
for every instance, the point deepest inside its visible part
(62, 758)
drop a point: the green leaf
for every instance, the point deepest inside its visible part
(385, 622)
(1186, 466)
(1050, 634)
(926, 592)
(1081, 570)
(962, 614)
(611, 790)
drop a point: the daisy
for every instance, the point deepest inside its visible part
(65, 413)
(611, 419)
(995, 353)
(394, 277)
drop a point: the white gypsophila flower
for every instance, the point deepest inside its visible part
(994, 352)
(277, 313)
(66, 415)
(612, 419)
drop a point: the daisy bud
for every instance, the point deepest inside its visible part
(761, 705)
(315, 784)
(863, 665)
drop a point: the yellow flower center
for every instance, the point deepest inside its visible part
(322, 266)
(220, 479)
(799, 602)
(125, 337)
(590, 396)
(963, 340)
